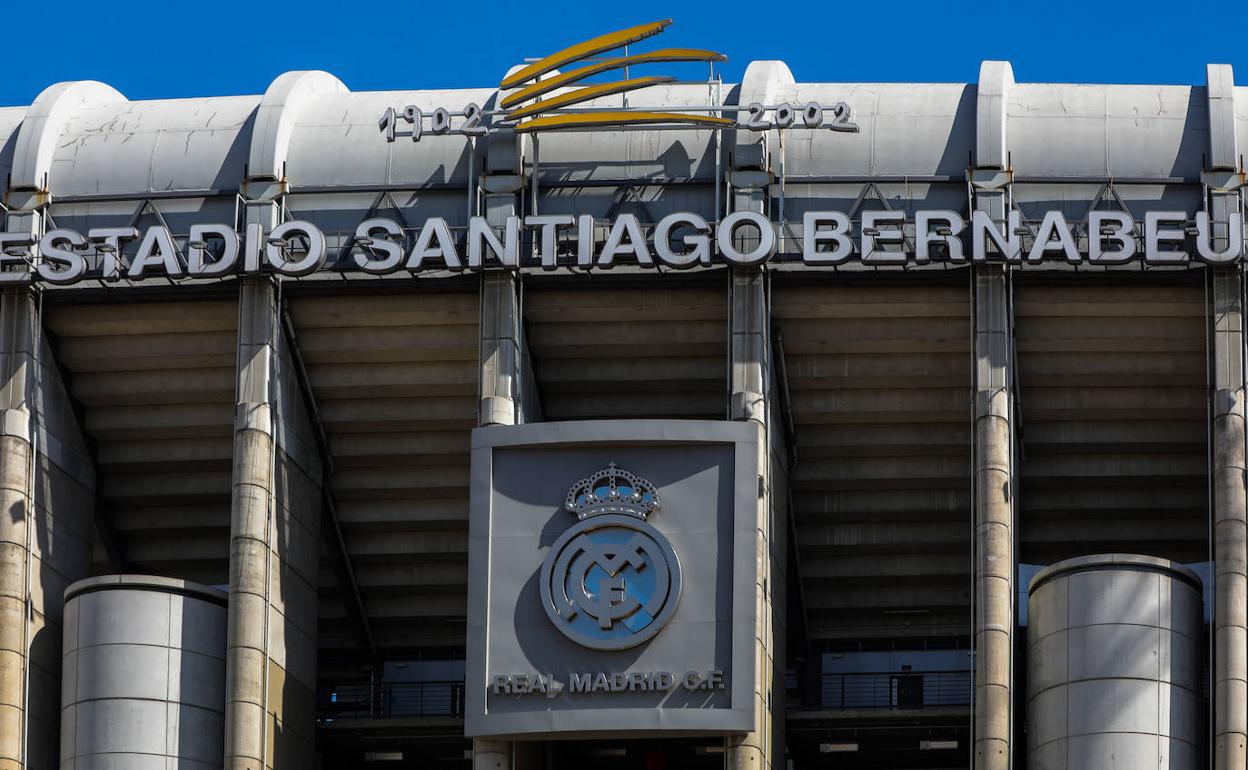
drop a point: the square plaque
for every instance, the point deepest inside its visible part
(612, 578)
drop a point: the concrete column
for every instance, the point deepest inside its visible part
(763, 747)
(750, 175)
(46, 476)
(995, 566)
(505, 369)
(17, 491)
(274, 552)
(507, 392)
(500, 373)
(1230, 556)
(994, 522)
(489, 754)
(503, 354)
(47, 492)
(1230, 625)
(251, 521)
(276, 499)
(749, 346)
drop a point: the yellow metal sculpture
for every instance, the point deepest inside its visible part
(546, 85)
(579, 95)
(536, 110)
(597, 45)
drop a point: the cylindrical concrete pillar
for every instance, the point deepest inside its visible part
(251, 523)
(1230, 523)
(762, 747)
(1113, 665)
(143, 673)
(994, 521)
(17, 331)
(15, 488)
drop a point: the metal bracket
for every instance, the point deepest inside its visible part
(264, 190)
(1223, 181)
(990, 178)
(26, 201)
(750, 180)
(502, 183)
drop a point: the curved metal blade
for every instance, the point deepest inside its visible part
(576, 75)
(585, 94)
(581, 50)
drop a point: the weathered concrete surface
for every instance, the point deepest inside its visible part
(274, 551)
(1230, 629)
(47, 492)
(751, 381)
(994, 522)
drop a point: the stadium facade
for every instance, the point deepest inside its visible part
(689, 424)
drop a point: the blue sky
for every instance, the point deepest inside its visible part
(177, 48)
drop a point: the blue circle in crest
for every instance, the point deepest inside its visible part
(610, 582)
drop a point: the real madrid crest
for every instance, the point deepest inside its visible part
(612, 581)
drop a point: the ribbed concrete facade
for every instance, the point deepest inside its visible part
(936, 431)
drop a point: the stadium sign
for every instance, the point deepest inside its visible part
(680, 240)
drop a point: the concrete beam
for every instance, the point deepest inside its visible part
(830, 572)
(898, 504)
(906, 595)
(883, 536)
(860, 624)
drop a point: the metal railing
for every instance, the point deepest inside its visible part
(391, 699)
(895, 690)
(874, 690)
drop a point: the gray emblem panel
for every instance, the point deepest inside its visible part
(625, 604)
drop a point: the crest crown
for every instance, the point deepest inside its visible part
(612, 490)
